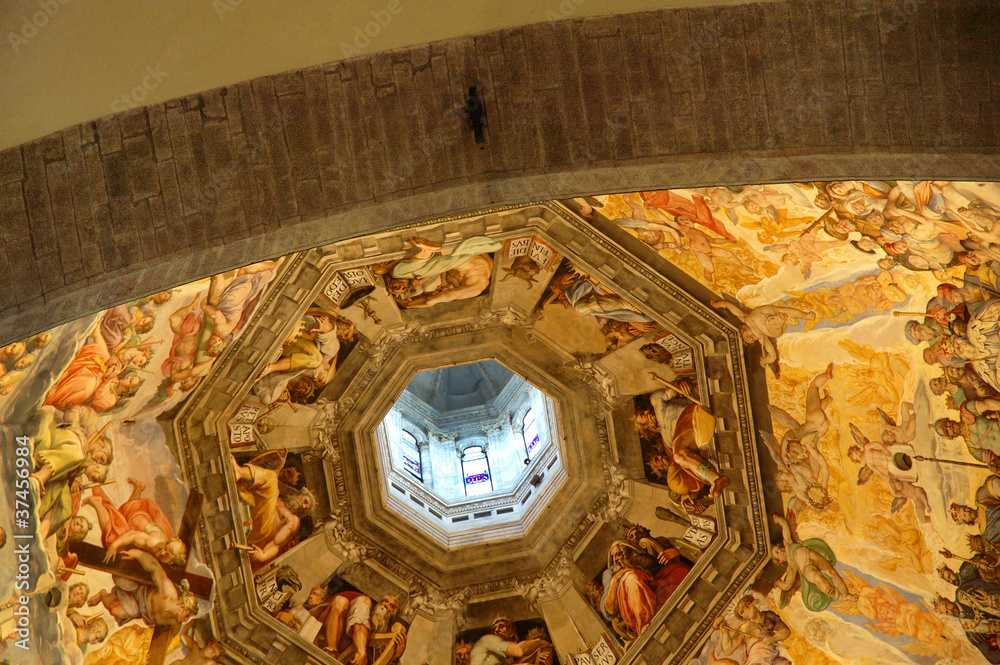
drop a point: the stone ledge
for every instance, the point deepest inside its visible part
(213, 181)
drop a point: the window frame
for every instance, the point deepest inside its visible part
(465, 474)
(528, 448)
(404, 449)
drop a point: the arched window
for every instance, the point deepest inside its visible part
(530, 433)
(476, 469)
(411, 456)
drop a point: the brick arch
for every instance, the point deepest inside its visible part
(774, 91)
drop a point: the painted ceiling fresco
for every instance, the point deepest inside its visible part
(778, 407)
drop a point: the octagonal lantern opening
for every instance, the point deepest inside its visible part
(469, 452)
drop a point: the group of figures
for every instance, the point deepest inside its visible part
(874, 308)
(346, 623)
(354, 627)
(115, 576)
(506, 643)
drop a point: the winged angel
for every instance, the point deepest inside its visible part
(803, 471)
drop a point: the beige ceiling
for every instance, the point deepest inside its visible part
(88, 54)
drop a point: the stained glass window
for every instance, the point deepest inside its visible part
(476, 470)
(411, 456)
(530, 433)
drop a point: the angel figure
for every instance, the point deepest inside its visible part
(807, 249)
(905, 432)
(809, 566)
(816, 424)
(877, 376)
(763, 324)
(802, 472)
(799, 449)
(874, 457)
(684, 225)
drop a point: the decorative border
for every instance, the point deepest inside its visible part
(202, 456)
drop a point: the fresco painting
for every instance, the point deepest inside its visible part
(573, 293)
(674, 427)
(430, 276)
(309, 358)
(526, 640)
(113, 520)
(640, 574)
(272, 487)
(332, 614)
(886, 292)
(871, 308)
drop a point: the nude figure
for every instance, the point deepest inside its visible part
(465, 280)
(807, 248)
(764, 324)
(145, 534)
(815, 424)
(206, 655)
(161, 604)
(702, 245)
(809, 563)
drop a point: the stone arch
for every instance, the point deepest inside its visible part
(153, 197)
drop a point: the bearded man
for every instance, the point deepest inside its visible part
(638, 586)
(684, 427)
(136, 523)
(94, 375)
(501, 647)
(979, 620)
(61, 464)
(464, 273)
(981, 433)
(660, 559)
(160, 604)
(986, 514)
(350, 621)
(275, 515)
(311, 353)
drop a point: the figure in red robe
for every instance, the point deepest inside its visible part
(97, 378)
(136, 523)
(694, 209)
(640, 584)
